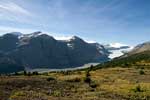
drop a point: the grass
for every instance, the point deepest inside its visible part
(106, 84)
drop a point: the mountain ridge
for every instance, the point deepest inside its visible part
(38, 50)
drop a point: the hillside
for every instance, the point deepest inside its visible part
(139, 59)
(101, 84)
(140, 48)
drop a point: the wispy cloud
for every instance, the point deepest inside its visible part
(13, 12)
(13, 8)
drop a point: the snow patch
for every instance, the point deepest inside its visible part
(70, 45)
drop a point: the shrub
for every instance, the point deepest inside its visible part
(141, 72)
(87, 74)
(93, 85)
(50, 79)
(17, 94)
(92, 89)
(91, 68)
(45, 73)
(29, 73)
(16, 73)
(24, 72)
(74, 80)
(66, 72)
(87, 80)
(35, 73)
(56, 93)
(137, 89)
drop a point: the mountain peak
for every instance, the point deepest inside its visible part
(143, 44)
(15, 33)
(76, 38)
(34, 34)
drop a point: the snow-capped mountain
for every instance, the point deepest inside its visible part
(16, 33)
(117, 49)
(38, 50)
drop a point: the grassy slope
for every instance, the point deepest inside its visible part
(140, 60)
(125, 79)
(112, 84)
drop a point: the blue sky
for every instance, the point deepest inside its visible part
(104, 21)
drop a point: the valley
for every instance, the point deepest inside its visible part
(74, 50)
(126, 77)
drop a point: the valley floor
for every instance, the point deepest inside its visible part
(106, 84)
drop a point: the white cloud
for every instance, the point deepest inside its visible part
(120, 52)
(117, 53)
(10, 11)
(117, 45)
(13, 8)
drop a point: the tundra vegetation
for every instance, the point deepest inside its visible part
(119, 80)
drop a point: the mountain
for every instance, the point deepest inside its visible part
(140, 48)
(101, 48)
(117, 49)
(138, 60)
(139, 56)
(8, 65)
(16, 33)
(38, 50)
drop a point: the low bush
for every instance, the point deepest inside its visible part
(29, 74)
(137, 89)
(56, 93)
(141, 72)
(35, 73)
(24, 72)
(50, 79)
(73, 80)
(93, 85)
(87, 79)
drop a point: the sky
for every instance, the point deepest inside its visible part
(103, 21)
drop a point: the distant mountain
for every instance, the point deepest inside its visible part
(38, 50)
(117, 49)
(16, 33)
(138, 60)
(140, 48)
(138, 56)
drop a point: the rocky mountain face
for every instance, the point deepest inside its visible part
(140, 48)
(38, 50)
